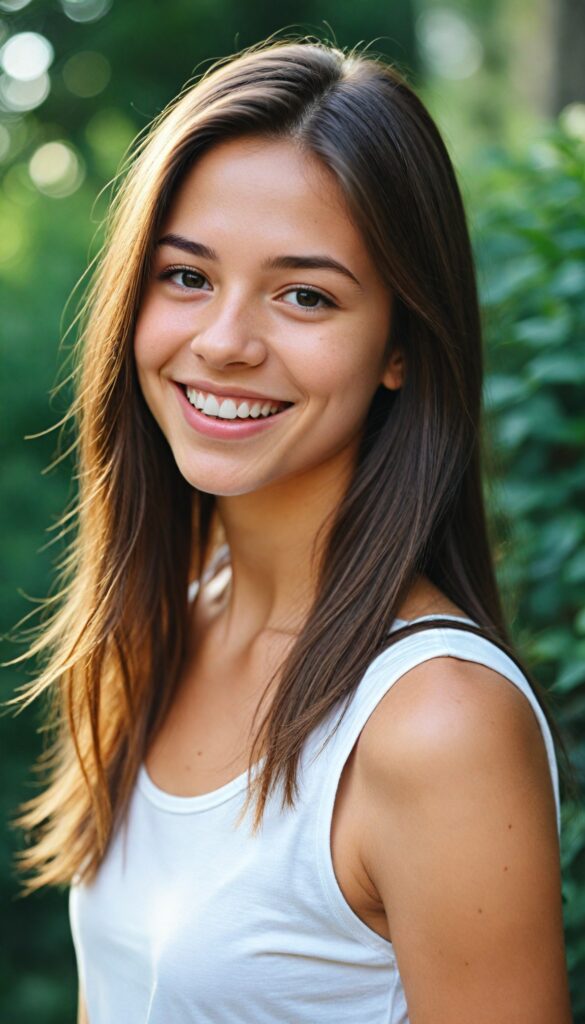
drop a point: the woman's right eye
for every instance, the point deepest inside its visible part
(187, 274)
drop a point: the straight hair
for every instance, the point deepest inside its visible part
(115, 642)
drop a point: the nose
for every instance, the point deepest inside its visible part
(227, 334)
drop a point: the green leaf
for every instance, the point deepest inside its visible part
(558, 368)
(517, 274)
(502, 390)
(575, 569)
(570, 677)
(539, 330)
(569, 280)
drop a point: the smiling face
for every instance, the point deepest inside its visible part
(265, 309)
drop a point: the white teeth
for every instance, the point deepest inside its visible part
(211, 407)
(228, 408)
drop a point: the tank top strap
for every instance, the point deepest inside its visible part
(405, 654)
(327, 763)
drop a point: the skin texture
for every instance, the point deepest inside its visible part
(81, 1011)
(246, 326)
(461, 846)
(250, 200)
(444, 835)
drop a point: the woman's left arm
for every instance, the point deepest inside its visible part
(460, 842)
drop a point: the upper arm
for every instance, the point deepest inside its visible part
(82, 1017)
(461, 844)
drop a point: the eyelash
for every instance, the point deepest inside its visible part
(171, 271)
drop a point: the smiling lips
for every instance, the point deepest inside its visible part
(219, 407)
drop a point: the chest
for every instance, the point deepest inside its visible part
(190, 919)
(206, 738)
(206, 741)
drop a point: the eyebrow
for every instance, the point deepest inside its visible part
(316, 262)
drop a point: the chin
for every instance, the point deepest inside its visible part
(220, 482)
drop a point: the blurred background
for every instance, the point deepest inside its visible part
(506, 85)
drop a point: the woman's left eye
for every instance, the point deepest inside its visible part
(310, 299)
(192, 280)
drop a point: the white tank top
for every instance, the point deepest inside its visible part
(192, 921)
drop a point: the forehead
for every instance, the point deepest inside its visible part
(270, 192)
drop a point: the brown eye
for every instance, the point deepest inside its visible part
(310, 299)
(307, 297)
(190, 280)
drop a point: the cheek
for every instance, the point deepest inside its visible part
(150, 354)
(153, 336)
(341, 368)
(147, 347)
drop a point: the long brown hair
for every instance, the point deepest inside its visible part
(117, 639)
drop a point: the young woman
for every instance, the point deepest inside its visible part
(315, 785)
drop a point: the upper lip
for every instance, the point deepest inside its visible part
(228, 391)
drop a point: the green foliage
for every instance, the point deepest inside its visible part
(45, 244)
(529, 236)
(528, 220)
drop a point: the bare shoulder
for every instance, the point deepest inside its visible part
(460, 843)
(451, 714)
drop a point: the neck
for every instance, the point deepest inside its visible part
(276, 538)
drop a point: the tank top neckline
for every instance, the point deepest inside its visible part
(192, 804)
(205, 801)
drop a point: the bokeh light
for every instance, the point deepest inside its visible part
(86, 73)
(11, 238)
(56, 169)
(19, 96)
(15, 132)
(4, 142)
(109, 132)
(13, 5)
(543, 155)
(17, 186)
(448, 43)
(86, 10)
(26, 56)
(572, 119)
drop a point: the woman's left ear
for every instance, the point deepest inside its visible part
(393, 376)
